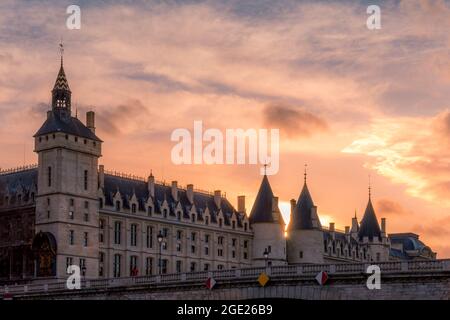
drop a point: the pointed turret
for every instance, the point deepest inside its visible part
(369, 224)
(305, 234)
(61, 94)
(269, 245)
(304, 215)
(264, 209)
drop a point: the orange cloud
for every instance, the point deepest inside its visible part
(411, 151)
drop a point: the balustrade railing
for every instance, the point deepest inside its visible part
(275, 272)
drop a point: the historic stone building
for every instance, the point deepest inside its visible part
(68, 210)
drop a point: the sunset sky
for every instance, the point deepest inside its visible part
(349, 101)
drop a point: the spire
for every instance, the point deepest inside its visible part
(61, 94)
(305, 173)
(369, 224)
(304, 215)
(263, 209)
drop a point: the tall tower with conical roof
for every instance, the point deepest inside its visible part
(67, 202)
(371, 234)
(304, 233)
(269, 243)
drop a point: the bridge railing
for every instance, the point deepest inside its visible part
(275, 272)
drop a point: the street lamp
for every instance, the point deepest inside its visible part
(160, 240)
(266, 255)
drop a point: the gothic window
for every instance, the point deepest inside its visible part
(193, 249)
(206, 251)
(71, 237)
(193, 266)
(49, 176)
(233, 242)
(193, 236)
(148, 266)
(220, 252)
(133, 266)
(233, 254)
(246, 244)
(220, 267)
(149, 237)
(206, 238)
(116, 266)
(117, 232)
(86, 239)
(133, 235)
(178, 266)
(220, 240)
(69, 262)
(133, 208)
(83, 266)
(85, 179)
(206, 267)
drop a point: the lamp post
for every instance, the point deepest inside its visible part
(266, 256)
(160, 240)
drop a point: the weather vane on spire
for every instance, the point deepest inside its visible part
(61, 50)
(370, 188)
(265, 168)
(305, 174)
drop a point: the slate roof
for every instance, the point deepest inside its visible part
(301, 216)
(61, 82)
(19, 182)
(70, 125)
(410, 241)
(262, 210)
(202, 201)
(369, 226)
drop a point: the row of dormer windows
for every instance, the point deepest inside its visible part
(17, 200)
(165, 213)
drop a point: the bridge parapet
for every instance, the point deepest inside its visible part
(304, 271)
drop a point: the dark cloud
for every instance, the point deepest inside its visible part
(113, 120)
(386, 207)
(293, 121)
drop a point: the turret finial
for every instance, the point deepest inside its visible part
(370, 187)
(305, 174)
(61, 50)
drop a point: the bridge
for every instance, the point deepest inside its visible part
(399, 280)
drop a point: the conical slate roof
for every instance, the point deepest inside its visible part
(369, 224)
(301, 216)
(263, 210)
(61, 82)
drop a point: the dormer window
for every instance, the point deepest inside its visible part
(193, 217)
(133, 208)
(117, 205)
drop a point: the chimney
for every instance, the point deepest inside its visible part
(190, 193)
(241, 204)
(217, 197)
(383, 225)
(293, 203)
(175, 190)
(101, 176)
(90, 120)
(331, 227)
(347, 229)
(151, 185)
